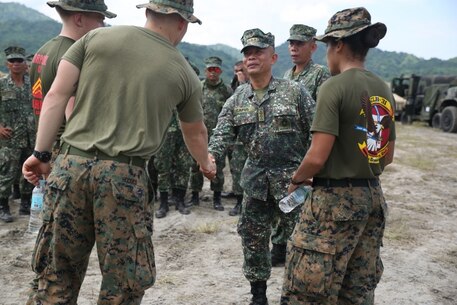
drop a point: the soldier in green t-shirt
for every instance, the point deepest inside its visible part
(333, 255)
(97, 192)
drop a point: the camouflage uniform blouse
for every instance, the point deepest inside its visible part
(275, 132)
(16, 113)
(311, 77)
(214, 98)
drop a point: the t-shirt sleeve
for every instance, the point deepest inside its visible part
(191, 109)
(326, 117)
(75, 54)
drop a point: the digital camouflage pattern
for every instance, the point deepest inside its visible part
(301, 32)
(237, 159)
(213, 99)
(15, 52)
(257, 38)
(334, 253)
(213, 61)
(275, 132)
(88, 201)
(311, 77)
(90, 6)
(173, 160)
(350, 21)
(254, 227)
(15, 113)
(185, 8)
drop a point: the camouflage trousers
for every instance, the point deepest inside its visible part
(172, 163)
(333, 255)
(11, 160)
(254, 227)
(91, 201)
(196, 177)
(237, 156)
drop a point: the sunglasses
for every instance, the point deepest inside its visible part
(214, 70)
(13, 60)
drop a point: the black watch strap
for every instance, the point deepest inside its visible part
(43, 156)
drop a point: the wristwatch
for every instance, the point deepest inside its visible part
(296, 182)
(43, 156)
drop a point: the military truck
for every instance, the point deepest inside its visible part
(442, 108)
(424, 96)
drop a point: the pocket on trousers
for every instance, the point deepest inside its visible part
(41, 256)
(139, 269)
(310, 265)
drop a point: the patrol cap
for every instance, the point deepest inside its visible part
(89, 6)
(185, 8)
(350, 21)
(213, 61)
(15, 52)
(301, 32)
(257, 38)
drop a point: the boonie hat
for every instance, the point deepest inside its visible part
(15, 52)
(301, 32)
(185, 8)
(350, 21)
(257, 38)
(213, 61)
(89, 6)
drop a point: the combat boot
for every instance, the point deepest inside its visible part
(259, 293)
(5, 214)
(163, 209)
(278, 255)
(24, 208)
(237, 209)
(179, 201)
(217, 201)
(16, 191)
(194, 200)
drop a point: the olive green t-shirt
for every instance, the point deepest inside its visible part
(358, 108)
(131, 80)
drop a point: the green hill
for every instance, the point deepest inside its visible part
(26, 27)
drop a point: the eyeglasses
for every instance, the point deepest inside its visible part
(13, 60)
(214, 70)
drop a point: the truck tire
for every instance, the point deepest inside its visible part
(436, 120)
(405, 119)
(449, 119)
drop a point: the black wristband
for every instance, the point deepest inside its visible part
(292, 181)
(43, 156)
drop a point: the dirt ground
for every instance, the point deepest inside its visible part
(199, 256)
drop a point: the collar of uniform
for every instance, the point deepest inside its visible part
(305, 70)
(271, 87)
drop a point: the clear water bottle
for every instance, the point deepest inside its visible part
(294, 199)
(35, 220)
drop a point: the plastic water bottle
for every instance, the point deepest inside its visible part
(294, 199)
(35, 220)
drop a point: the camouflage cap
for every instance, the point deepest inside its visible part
(302, 32)
(185, 8)
(257, 38)
(15, 52)
(350, 21)
(213, 61)
(89, 6)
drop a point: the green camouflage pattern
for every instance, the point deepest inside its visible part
(213, 61)
(213, 99)
(237, 156)
(333, 255)
(311, 77)
(90, 6)
(16, 113)
(257, 38)
(185, 8)
(301, 32)
(15, 52)
(275, 132)
(350, 21)
(254, 227)
(88, 201)
(173, 159)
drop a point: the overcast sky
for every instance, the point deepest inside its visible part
(421, 27)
